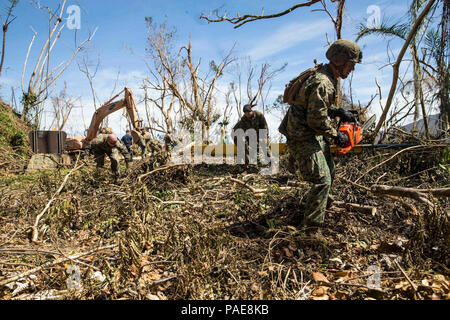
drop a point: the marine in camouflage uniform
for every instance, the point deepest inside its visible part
(146, 143)
(169, 142)
(251, 119)
(140, 141)
(108, 144)
(155, 146)
(308, 126)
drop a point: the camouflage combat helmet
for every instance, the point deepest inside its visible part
(344, 50)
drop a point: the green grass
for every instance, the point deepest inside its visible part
(13, 133)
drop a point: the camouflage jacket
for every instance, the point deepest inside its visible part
(168, 140)
(155, 145)
(257, 121)
(147, 136)
(100, 144)
(316, 98)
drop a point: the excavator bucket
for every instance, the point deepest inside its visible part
(136, 135)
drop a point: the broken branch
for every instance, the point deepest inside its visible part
(416, 194)
(57, 261)
(356, 207)
(35, 232)
(160, 169)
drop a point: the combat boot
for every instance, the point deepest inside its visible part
(330, 201)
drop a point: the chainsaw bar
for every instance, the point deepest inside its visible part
(369, 122)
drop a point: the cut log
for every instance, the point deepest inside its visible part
(391, 197)
(258, 193)
(356, 207)
(417, 194)
(411, 192)
(160, 169)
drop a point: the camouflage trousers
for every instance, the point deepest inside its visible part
(142, 145)
(130, 151)
(316, 165)
(114, 156)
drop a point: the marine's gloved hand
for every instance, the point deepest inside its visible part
(344, 115)
(341, 139)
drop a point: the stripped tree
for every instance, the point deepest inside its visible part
(401, 30)
(42, 76)
(9, 18)
(62, 107)
(180, 76)
(396, 65)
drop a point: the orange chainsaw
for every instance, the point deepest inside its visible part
(354, 132)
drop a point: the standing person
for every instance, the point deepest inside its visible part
(141, 141)
(308, 128)
(155, 146)
(108, 144)
(251, 119)
(152, 145)
(127, 140)
(169, 141)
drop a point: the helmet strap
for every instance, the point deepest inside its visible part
(337, 70)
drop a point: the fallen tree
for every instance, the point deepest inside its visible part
(417, 194)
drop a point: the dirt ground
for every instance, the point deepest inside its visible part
(224, 232)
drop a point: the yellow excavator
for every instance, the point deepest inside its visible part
(52, 148)
(79, 143)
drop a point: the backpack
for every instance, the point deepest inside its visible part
(293, 87)
(291, 91)
(283, 126)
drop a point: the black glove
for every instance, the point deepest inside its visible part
(344, 115)
(341, 139)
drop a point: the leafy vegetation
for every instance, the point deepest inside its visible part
(13, 133)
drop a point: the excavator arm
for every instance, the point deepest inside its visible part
(102, 112)
(110, 107)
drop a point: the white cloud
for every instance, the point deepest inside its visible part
(287, 37)
(7, 82)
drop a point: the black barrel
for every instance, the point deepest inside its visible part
(47, 141)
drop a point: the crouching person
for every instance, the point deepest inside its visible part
(108, 144)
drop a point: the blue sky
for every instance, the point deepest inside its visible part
(295, 39)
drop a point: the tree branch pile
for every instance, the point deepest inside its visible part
(226, 232)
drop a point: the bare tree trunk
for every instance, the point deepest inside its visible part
(339, 18)
(9, 10)
(443, 75)
(145, 87)
(338, 28)
(3, 48)
(396, 66)
(39, 82)
(416, 86)
(419, 104)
